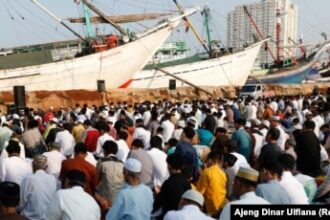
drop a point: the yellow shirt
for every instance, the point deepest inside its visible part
(77, 131)
(212, 185)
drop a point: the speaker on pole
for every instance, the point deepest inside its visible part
(100, 85)
(19, 96)
(172, 84)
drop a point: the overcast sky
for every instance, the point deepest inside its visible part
(23, 23)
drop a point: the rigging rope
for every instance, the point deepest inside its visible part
(41, 21)
(12, 18)
(17, 12)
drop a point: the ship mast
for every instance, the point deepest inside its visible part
(87, 16)
(97, 11)
(278, 35)
(58, 20)
(254, 24)
(199, 38)
(207, 17)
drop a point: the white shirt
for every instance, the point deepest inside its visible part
(259, 140)
(143, 135)
(66, 141)
(250, 112)
(160, 171)
(36, 191)
(241, 160)
(294, 188)
(319, 121)
(283, 137)
(188, 212)
(274, 106)
(123, 150)
(198, 116)
(54, 162)
(232, 171)
(168, 130)
(90, 159)
(4, 153)
(146, 117)
(100, 141)
(249, 198)
(177, 133)
(15, 169)
(323, 153)
(73, 203)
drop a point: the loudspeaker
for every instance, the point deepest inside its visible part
(100, 85)
(19, 96)
(172, 84)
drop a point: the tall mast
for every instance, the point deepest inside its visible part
(58, 20)
(87, 21)
(207, 17)
(278, 35)
(199, 38)
(254, 24)
(97, 11)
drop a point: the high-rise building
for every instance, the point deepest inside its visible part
(266, 14)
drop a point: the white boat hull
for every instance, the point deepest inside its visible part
(115, 66)
(229, 70)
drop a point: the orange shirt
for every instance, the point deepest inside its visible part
(82, 165)
(212, 185)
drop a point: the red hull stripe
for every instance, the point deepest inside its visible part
(126, 84)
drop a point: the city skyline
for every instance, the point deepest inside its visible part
(266, 14)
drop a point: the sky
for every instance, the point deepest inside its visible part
(23, 23)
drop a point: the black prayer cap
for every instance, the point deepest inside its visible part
(9, 194)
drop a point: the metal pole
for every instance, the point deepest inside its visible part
(184, 81)
(58, 20)
(87, 21)
(97, 11)
(206, 13)
(199, 38)
(258, 31)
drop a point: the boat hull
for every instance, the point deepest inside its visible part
(294, 76)
(229, 70)
(114, 66)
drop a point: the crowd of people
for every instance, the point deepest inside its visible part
(164, 160)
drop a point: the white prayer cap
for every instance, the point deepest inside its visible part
(15, 116)
(248, 124)
(110, 119)
(55, 120)
(248, 174)
(308, 113)
(133, 165)
(266, 123)
(256, 122)
(195, 196)
(102, 115)
(81, 118)
(181, 123)
(186, 110)
(275, 118)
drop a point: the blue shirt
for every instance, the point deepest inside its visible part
(274, 193)
(132, 202)
(243, 141)
(237, 113)
(205, 137)
(189, 153)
